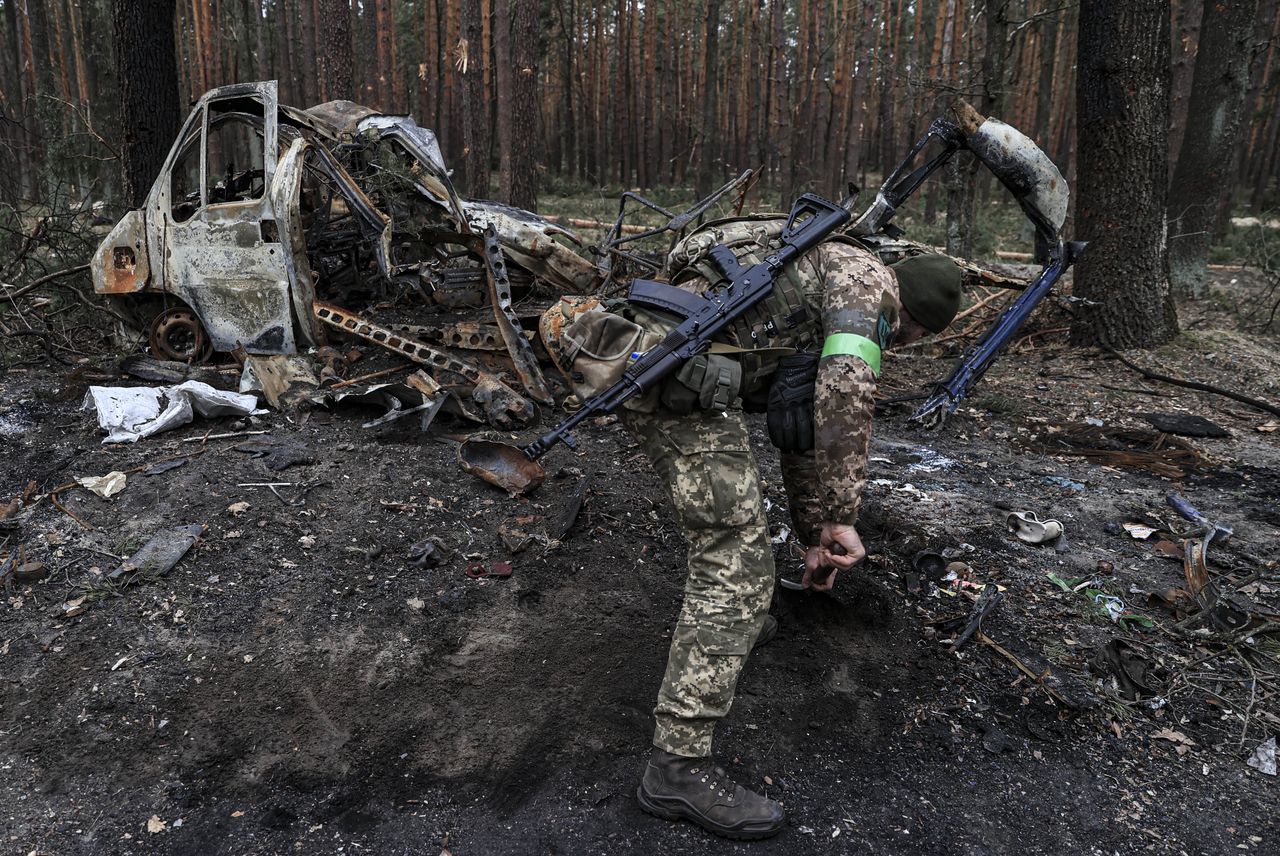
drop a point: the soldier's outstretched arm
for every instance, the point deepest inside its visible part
(859, 318)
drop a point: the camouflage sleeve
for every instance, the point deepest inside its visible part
(804, 495)
(859, 319)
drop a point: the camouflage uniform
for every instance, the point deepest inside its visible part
(705, 461)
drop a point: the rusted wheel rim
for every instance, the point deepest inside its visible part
(177, 334)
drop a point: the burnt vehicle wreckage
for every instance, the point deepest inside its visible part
(267, 222)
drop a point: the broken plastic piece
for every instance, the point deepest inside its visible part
(1030, 529)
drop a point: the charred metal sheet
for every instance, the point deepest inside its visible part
(518, 345)
(286, 205)
(252, 314)
(530, 241)
(1021, 166)
(158, 556)
(492, 462)
(342, 116)
(121, 264)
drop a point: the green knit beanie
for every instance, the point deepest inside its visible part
(929, 287)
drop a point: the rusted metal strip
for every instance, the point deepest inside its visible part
(518, 345)
(419, 352)
(471, 335)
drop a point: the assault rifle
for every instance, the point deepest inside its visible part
(811, 221)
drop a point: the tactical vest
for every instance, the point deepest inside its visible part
(788, 320)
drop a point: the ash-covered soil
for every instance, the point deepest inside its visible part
(296, 685)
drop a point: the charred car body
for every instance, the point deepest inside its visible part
(263, 212)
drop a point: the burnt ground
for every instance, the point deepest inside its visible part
(294, 685)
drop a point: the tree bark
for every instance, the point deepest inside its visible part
(708, 167)
(1123, 112)
(337, 62)
(384, 27)
(1184, 21)
(516, 48)
(476, 132)
(148, 73)
(310, 81)
(1203, 173)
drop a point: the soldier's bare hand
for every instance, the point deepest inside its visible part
(841, 546)
(817, 576)
(839, 549)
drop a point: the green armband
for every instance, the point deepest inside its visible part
(838, 344)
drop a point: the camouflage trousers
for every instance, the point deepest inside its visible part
(704, 459)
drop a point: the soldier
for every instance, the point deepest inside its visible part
(809, 357)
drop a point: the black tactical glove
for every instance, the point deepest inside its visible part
(790, 411)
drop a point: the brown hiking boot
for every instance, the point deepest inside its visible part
(674, 787)
(768, 630)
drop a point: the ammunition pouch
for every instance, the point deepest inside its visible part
(706, 382)
(597, 347)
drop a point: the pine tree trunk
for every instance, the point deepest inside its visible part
(384, 27)
(1202, 176)
(476, 132)
(148, 73)
(1123, 108)
(260, 58)
(1185, 21)
(708, 167)
(519, 157)
(336, 62)
(77, 46)
(310, 80)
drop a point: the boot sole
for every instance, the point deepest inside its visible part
(678, 809)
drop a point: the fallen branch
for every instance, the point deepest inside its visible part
(203, 437)
(47, 278)
(578, 223)
(1195, 384)
(980, 305)
(1036, 677)
(987, 603)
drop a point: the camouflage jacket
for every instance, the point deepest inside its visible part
(848, 290)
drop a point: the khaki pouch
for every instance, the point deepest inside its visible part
(597, 347)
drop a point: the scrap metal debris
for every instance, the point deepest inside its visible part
(1185, 424)
(291, 209)
(492, 462)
